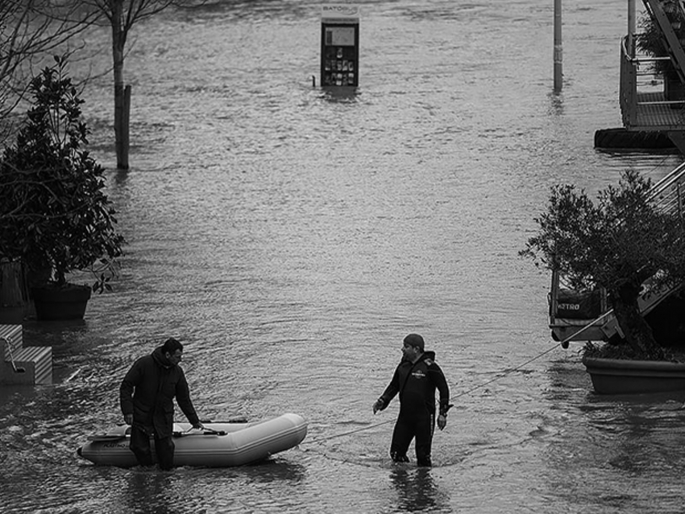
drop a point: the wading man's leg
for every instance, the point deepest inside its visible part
(401, 437)
(140, 445)
(424, 439)
(165, 452)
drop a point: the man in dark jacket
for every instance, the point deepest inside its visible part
(416, 379)
(146, 396)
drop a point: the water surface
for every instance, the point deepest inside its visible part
(292, 238)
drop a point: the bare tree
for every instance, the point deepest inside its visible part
(122, 16)
(30, 30)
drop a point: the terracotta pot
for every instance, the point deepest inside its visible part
(59, 303)
(618, 376)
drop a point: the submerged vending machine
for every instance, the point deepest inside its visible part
(340, 45)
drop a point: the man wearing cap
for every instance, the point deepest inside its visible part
(416, 379)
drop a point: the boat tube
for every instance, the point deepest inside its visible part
(219, 445)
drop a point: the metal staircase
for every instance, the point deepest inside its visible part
(585, 316)
(657, 10)
(643, 108)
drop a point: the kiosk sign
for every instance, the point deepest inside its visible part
(339, 45)
(342, 13)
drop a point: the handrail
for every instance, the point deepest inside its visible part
(668, 180)
(632, 68)
(638, 60)
(673, 45)
(667, 193)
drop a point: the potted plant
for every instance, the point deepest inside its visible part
(651, 42)
(55, 217)
(616, 243)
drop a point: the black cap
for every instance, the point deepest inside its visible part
(414, 340)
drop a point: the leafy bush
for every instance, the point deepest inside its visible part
(54, 213)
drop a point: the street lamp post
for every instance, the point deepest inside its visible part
(558, 74)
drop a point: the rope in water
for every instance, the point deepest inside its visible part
(500, 375)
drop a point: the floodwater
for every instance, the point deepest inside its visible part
(291, 238)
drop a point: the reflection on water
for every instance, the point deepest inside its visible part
(626, 443)
(148, 491)
(417, 491)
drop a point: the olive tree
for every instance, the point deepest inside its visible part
(616, 243)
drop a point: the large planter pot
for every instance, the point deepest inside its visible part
(617, 376)
(59, 303)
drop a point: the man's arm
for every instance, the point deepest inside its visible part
(438, 378)
(389, 393)
(126, 389)
(184, 402)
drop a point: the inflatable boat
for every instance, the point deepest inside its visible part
(218, 445)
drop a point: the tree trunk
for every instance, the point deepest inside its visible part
(121, 117)
(120, 114)
(636, 330)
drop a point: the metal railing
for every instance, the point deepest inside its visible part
(636, 75)
(667, 193)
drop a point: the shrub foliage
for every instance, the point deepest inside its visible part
(54, 213)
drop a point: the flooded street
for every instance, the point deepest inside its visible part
(291, 239)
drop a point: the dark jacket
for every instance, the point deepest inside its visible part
(416, 383)
(148, 390)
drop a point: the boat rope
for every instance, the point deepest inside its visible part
(328, 438)
(561, 344)
(499, 376)
(507, 371)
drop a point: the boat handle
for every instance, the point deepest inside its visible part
(205, 431)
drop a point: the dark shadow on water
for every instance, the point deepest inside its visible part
(340, 94)
(417, 490)
(146, 491)
(636, 439)
(556, 104)
(121, 177)
(52, 333)
(153, 491)
(639, 401)
(274, 470)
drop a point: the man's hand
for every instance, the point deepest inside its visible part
(442, 421)
(378, 405)
(198, 426)
(128, 419)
